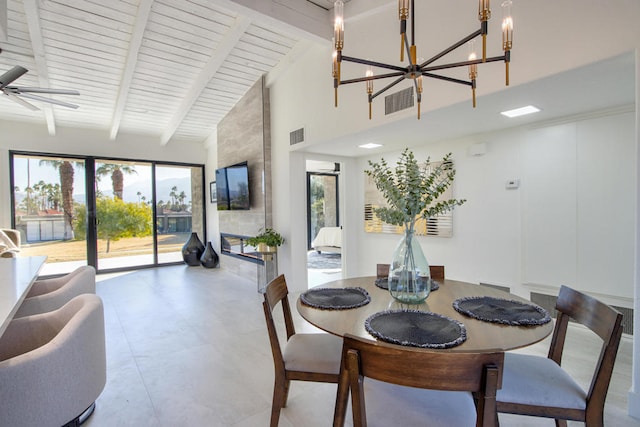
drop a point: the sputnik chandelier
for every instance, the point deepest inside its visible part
(414, 70)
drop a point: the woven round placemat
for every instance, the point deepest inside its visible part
(504, 311)
(416, 329)
(336, 298)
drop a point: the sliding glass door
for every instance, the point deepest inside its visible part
(179, 209)
(124, 214)
(134, 213)
(48, 198)
(322, 203)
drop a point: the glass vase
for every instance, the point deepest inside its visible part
(409, 276)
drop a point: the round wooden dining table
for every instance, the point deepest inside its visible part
(482, 336)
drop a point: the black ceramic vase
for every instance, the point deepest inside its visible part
(192, 250)
(209, 258)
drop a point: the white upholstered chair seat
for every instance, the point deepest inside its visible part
(535, 380)
(53, 365)
(313, 353)
(392, 405)
(51, 294)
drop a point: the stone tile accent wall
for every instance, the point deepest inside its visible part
(245, 135)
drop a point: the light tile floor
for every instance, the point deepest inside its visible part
(187, 346)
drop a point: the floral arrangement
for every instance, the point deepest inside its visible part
(411, 190)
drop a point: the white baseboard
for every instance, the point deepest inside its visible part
(634, 404)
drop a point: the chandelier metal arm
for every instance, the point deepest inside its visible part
(387, 87)
(463, 63)
(380, 76)
(448, 79)
(452, 48)
(373, 63)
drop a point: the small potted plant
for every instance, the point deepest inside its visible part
(266, 241)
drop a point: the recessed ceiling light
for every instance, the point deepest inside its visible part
(370, 145)
(529, 109)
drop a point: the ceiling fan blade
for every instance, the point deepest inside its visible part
(49, 100)
(11, 75)
(20, 101)
(21, 89)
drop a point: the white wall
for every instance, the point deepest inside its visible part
(568, 223)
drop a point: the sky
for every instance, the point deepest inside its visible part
(32, 172)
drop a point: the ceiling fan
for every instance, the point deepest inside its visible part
(16, 93)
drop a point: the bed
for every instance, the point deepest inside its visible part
(329, 239)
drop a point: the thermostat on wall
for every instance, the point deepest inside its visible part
(512, 184)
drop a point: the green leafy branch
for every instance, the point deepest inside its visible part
(411, 189)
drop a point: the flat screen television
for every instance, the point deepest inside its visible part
(232, 187)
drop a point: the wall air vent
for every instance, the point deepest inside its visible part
(398, 101)
(296, 137)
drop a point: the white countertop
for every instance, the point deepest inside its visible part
(16, 277)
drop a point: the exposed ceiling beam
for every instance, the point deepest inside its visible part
(32, 12)
(217, 58)
(301, 18)
(144, 10)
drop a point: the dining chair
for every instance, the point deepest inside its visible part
(53, 365)
(304, 357)
(436, 271)
(408, 386)
(382, 270)
(51, 294)
(539, 386)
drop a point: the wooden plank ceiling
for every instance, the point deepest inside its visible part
(167, 68)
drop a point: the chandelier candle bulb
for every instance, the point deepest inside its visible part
(473, 70)
(403, 14)
(484, 14)
(338, 24)
(507, 36)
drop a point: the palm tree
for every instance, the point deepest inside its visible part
(66, 171)
(117, 172)
(174, 197)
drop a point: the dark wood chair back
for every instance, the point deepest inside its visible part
(604, 321)
(436, 271)
(382, 270)
(480, 373)
(276, 293)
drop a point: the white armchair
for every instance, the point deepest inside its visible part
(51, 294)
(53, 365)
(9, 242)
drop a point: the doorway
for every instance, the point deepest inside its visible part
(324, 231)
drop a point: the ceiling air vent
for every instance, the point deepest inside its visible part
(296, 137)
(398, 101)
